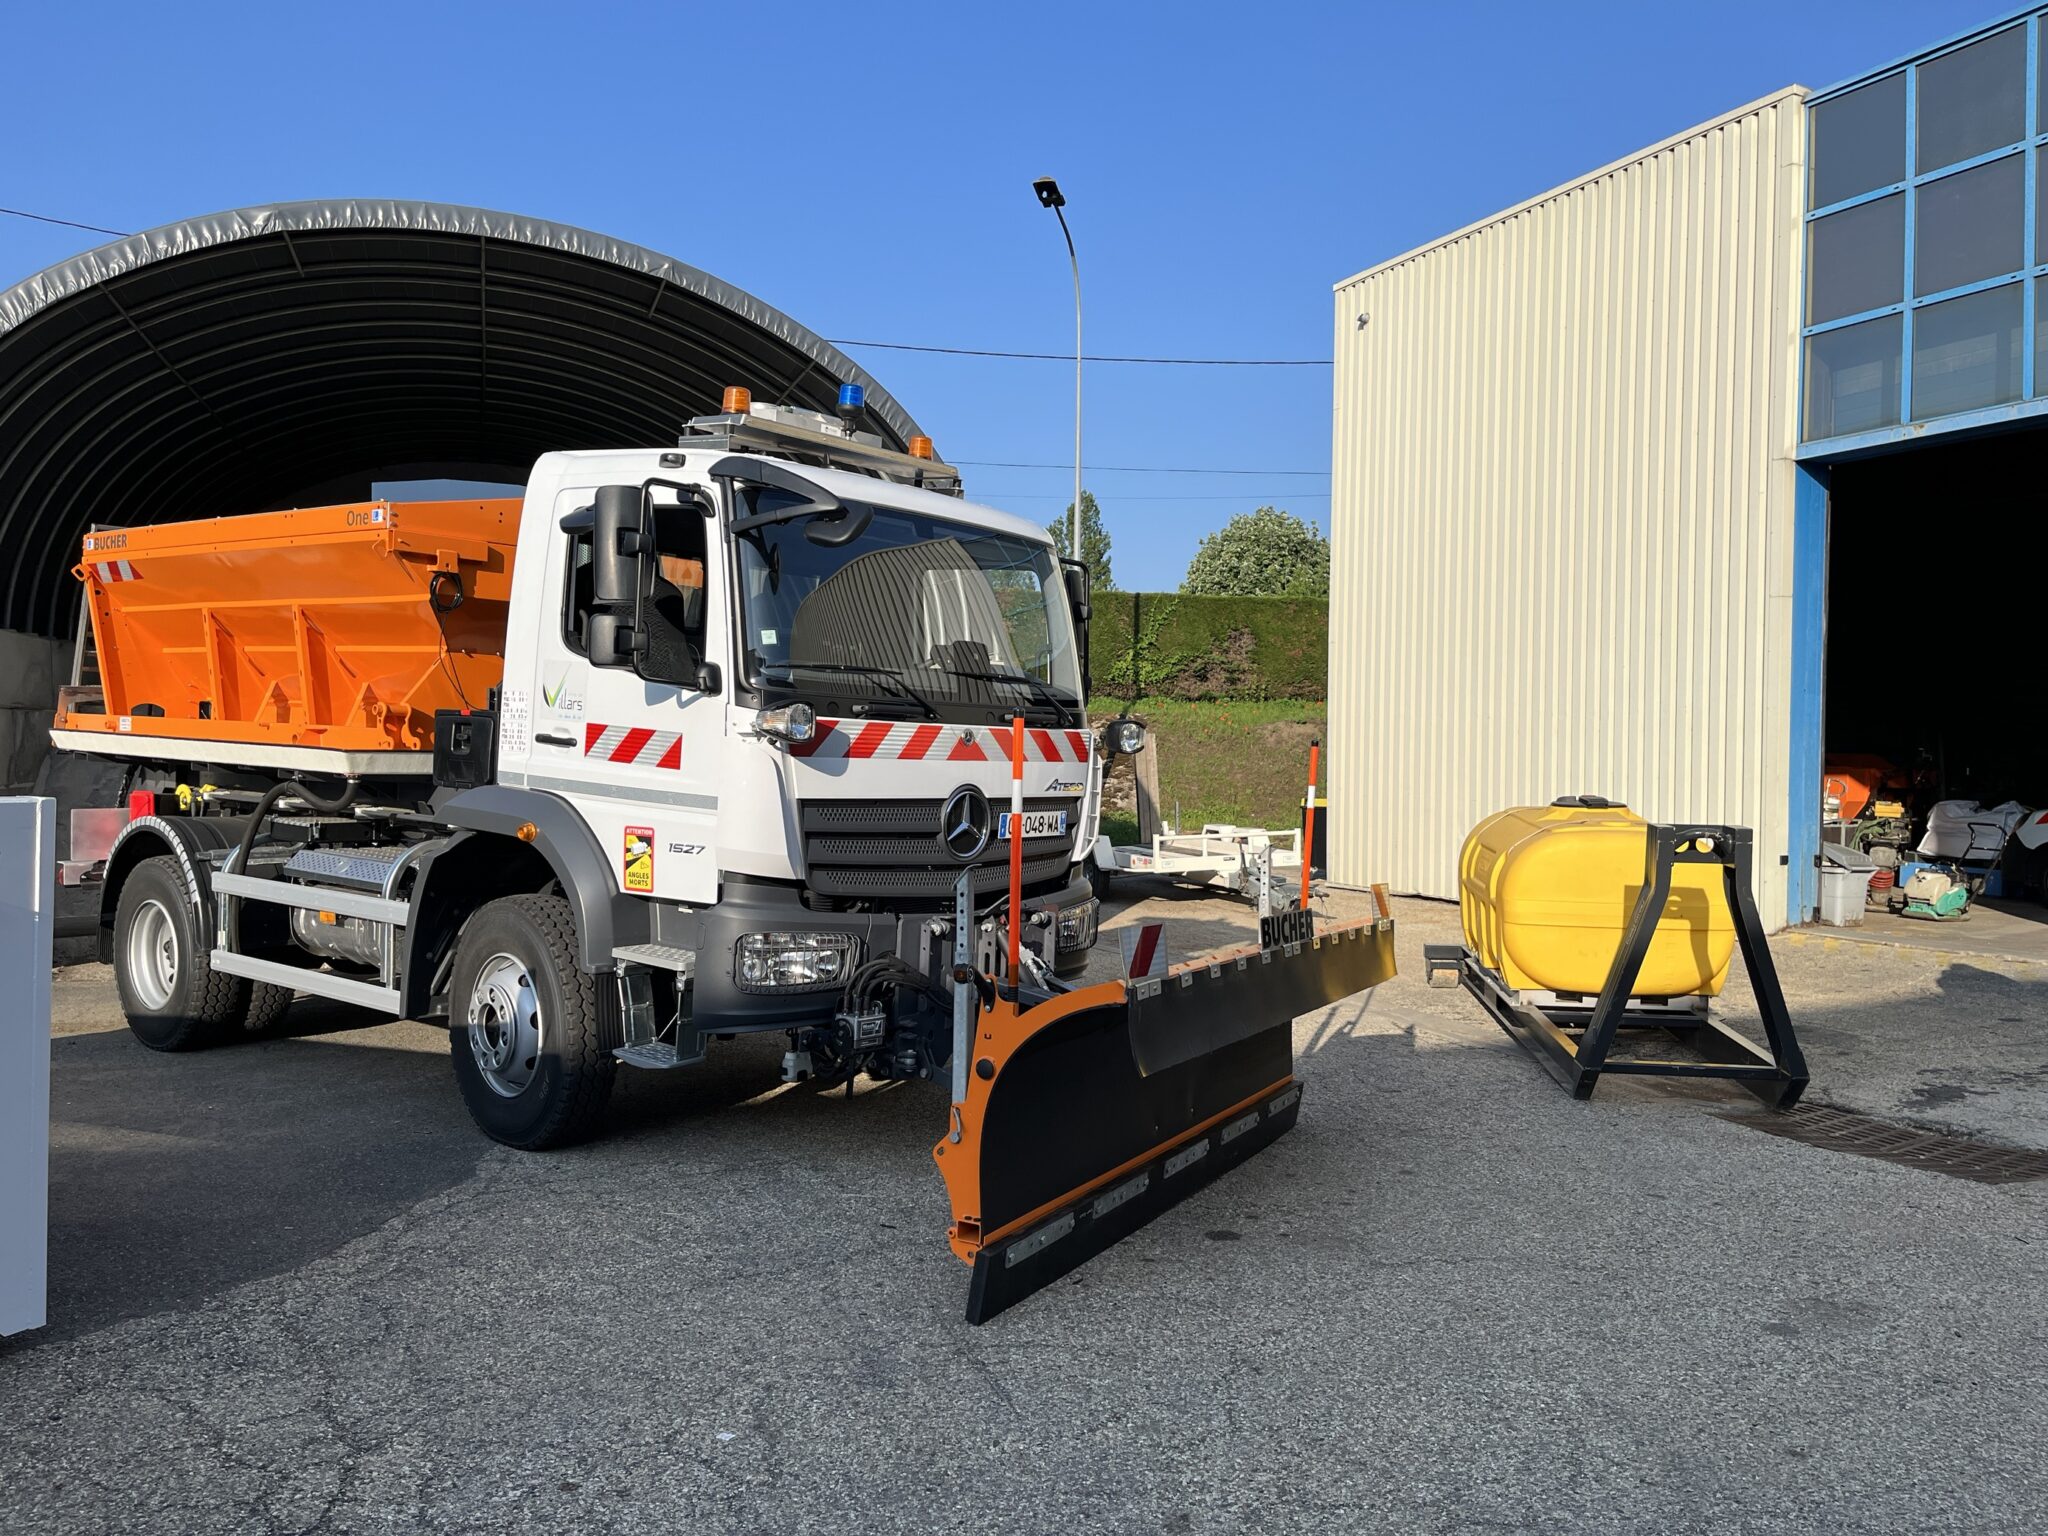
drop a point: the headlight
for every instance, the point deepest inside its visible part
(1124, 737)
(792, 722)
(777, 962)
(1077, 924)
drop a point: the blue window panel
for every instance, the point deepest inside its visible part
(1972, 100)
(2040, 333)
(2040, 53)
(2040, 187)
(1970, 226)
(1852, 378)
(1856, 260)
(1966, 352)
(1858, 142)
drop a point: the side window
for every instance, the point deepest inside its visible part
(576, 593)
(679, 551)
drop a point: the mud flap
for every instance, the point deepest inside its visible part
(1088, 1114)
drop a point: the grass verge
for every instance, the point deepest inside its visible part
(1242, 762)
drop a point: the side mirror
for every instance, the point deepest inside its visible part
(1078, 588)
(618, 543)
(1078, 599)
(843, 529)
(613, 642)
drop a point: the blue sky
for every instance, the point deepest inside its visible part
(868, 171)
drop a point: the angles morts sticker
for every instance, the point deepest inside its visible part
(639, 865)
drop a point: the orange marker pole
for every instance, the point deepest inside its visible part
(1016, 844)
(1308, 826)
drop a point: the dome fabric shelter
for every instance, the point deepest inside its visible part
(280, 355)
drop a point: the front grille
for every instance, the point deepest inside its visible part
(890, 850)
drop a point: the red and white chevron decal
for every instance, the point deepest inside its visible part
(906, 741)
(635, 746)
(114, 570)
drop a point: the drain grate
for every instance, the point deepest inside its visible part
(1841, 1130)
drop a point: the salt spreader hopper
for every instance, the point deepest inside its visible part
(1581, 920)
(324, 638)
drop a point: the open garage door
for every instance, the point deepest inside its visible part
(1934, 733)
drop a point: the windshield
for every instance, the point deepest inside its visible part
(922, 611)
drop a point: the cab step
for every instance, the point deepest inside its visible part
(636, 965)
(658, 957)
(659, 1055)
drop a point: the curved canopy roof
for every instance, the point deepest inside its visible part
(283, 355)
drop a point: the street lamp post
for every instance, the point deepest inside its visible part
(1049, 196)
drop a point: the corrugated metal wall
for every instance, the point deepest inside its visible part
(1562, 509)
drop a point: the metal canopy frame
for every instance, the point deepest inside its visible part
(1575, 1046)
(256, 359)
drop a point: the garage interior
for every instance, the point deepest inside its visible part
(1931, 627)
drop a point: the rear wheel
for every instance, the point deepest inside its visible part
(266, 1010)
(523, 1028)
(174, 999)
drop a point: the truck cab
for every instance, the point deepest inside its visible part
(780, 696)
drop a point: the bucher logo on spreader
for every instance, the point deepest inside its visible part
(1296, 927)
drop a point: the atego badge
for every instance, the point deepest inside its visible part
(1296, 927)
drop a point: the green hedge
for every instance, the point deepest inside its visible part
(1210, 647)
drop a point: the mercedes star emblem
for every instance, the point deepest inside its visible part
(966, 823)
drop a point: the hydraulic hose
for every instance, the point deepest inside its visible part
(240, 859)
(326, 807)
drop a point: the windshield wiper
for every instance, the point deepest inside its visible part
(1040, 690)
(887, 676)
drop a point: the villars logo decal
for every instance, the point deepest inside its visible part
(557, 697)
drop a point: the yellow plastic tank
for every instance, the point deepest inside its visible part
(1545, 892)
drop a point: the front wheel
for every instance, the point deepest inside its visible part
(523, 1030)
(1098, 880)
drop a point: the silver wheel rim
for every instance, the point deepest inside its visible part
(153, 956)
(505, 1025)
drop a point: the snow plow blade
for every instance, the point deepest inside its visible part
(1088, 1113)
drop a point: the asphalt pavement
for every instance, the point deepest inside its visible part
(293, 1290)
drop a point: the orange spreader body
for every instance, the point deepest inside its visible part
(315, 628)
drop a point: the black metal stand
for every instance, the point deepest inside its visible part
(1574, 1046)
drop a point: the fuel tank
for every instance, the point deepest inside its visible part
(1545, 892)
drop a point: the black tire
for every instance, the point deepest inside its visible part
(1098, 879)
(178, 1002)
(515, 952)
(266, 1010)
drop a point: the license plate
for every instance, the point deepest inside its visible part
(1036, 824)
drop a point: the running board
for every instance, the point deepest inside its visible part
(643, 1046)
(364, 994)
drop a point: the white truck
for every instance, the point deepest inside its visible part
(752, 722)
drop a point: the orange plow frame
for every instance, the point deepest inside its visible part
(1089, 1113)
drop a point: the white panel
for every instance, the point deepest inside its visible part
(28, 866)
(1562, 509)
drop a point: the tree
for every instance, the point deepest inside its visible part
(1094, 541)
(1267, 553)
